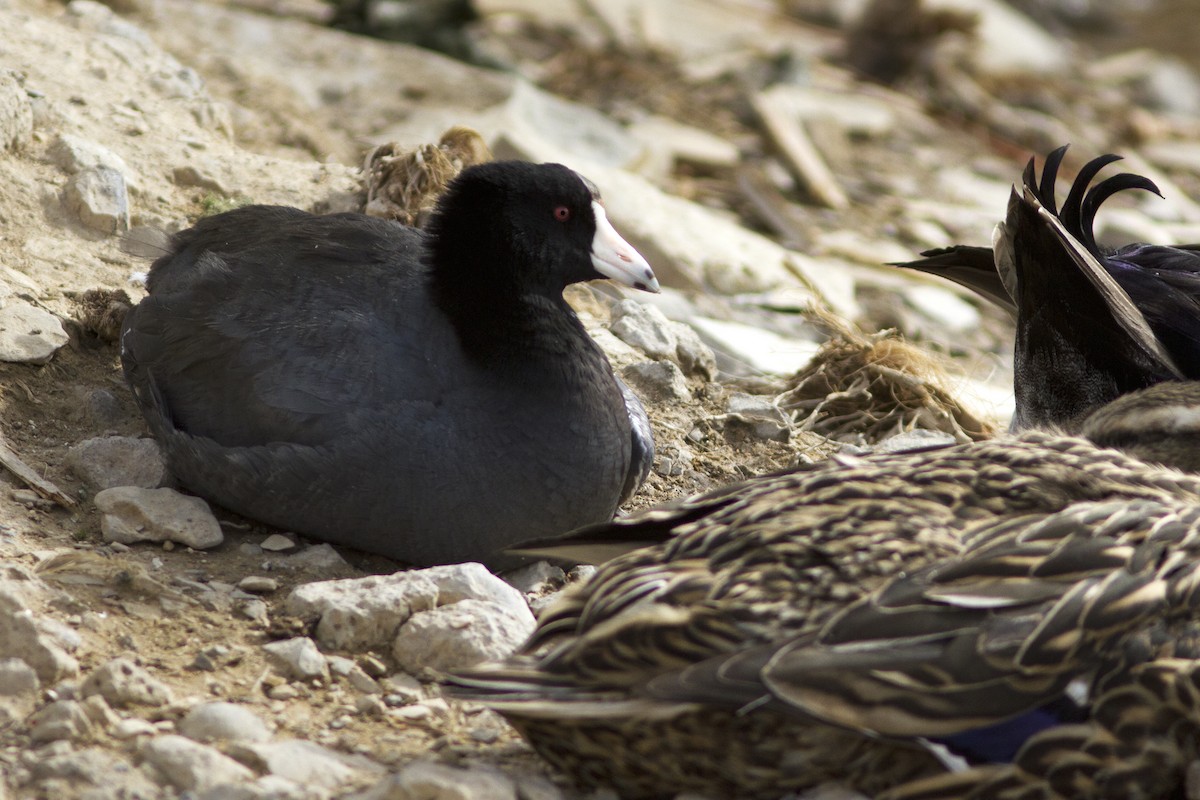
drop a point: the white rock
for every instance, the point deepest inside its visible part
(298, 658)
(543, 127)
(461, 634)
(229, 721)
(123, 683)
(258, 584)
(16, 112)
(361, 613)
(109, 461)
(644, 327)
(191, 766)
(98, 196)
(695, 357)
(62, 719)
(74, 154)
(765, 418)
(277, 543)
(28, 334)
(1006, 41)
(425, 780)
(739, 347)
(132, 727)
(17, 677)
(267, 787)
(535, 577)
(357, 677)
(94, 772)
(23, 635)
(308, 763)
(661, 379)
(320, 557)
(134, 514)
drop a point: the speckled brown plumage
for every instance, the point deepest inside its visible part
(819, 624)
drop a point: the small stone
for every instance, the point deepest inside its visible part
(693, 355)
(258, 584)
(401, 689)
(191, 766)
(134, 514)
(223, 721)
(354, 674)
(363, 613)
(661, 379)
(62, 719)
(277, 543)
(123, 683)
(284, 691)
(370, 705)
(132, 728)
(765, 418)
(253, 609)
(111, 461)
(373, 666)
(319, 557)
(30, 638)
(103, 408)
(427, 779)
(17, 678)
(307, 763)
(74, 154)
(749, 351)
(460, 635)
(536, 577)
(644, 327)
(298, 658)
(98, 197)
(28, 334)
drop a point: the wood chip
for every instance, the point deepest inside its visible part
(13, 463)
(788, 135)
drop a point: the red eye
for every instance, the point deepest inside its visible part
(562, 213)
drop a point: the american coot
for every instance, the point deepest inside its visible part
(1091, 325)
(429, 396)
(852, 620)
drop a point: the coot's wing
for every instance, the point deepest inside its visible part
(201, 334)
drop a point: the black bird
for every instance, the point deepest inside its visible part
(1091, 325)
(427, 395)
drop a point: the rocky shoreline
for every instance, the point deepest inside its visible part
(767, 158)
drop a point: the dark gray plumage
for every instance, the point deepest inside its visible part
(1092, 325)
(425, 395)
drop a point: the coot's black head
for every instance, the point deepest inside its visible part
(510, 227)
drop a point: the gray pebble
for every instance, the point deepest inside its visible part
(191, 766)
(258, 584)
(660, 379)
(123, 683)
(28, 334)
(134, 514)
(298, 658)
(110, 461)
(223, 721)
(98, 196)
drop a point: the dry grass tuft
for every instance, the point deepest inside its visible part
(876, 386)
